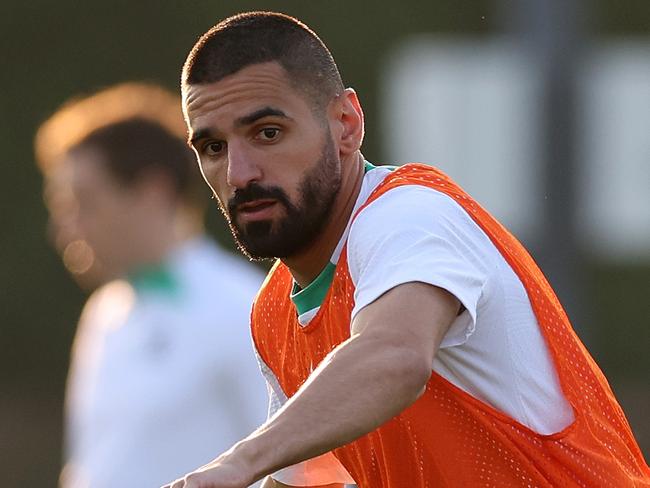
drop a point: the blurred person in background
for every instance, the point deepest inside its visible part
(162, 372)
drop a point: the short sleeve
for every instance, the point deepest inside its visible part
(321, 470)
(416, 234)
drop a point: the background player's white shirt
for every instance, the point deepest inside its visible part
(163, 380)
(493, 350)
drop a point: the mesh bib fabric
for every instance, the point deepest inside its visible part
(448, 438)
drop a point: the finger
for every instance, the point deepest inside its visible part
(174, 484)
(192, 480)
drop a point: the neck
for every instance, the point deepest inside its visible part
(306, 265)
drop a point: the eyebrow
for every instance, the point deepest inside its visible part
(197, 135)
(241, 121)
(260, 114)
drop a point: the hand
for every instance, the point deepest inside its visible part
(220, 473)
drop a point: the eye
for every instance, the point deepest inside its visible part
(269, 133)
(213, 148)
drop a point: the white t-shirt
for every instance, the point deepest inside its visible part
(163, 377)
(493, 350)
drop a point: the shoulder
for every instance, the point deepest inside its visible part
(409, 208)
(416, 233)
(205, 264)
(107, 308)
(112, 299)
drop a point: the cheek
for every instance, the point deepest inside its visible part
(291, 176)
(213, 175)
(216, 179)
(293, 190)
(298, 159)
(107, 219)
(98, 227)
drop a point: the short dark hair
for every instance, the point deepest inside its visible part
(136, 127)
(259, 37)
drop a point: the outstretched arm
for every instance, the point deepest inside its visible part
(368, 379)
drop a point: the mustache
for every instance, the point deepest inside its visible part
(256, 192)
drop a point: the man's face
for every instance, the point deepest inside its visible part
(92, 216)
(268, 157)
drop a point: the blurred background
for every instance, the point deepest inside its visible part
(540, 108)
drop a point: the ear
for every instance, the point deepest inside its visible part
(347, 117)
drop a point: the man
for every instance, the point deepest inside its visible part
(162, 373)
(407, 338)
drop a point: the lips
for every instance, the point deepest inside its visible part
(255, 210)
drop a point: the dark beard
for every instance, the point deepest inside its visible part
(301, 224)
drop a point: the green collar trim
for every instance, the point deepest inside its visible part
(154, 279)
(312, 295)
(367, 166)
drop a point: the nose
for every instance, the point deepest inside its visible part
(242, 167)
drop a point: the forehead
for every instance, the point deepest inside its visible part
(252, 88)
